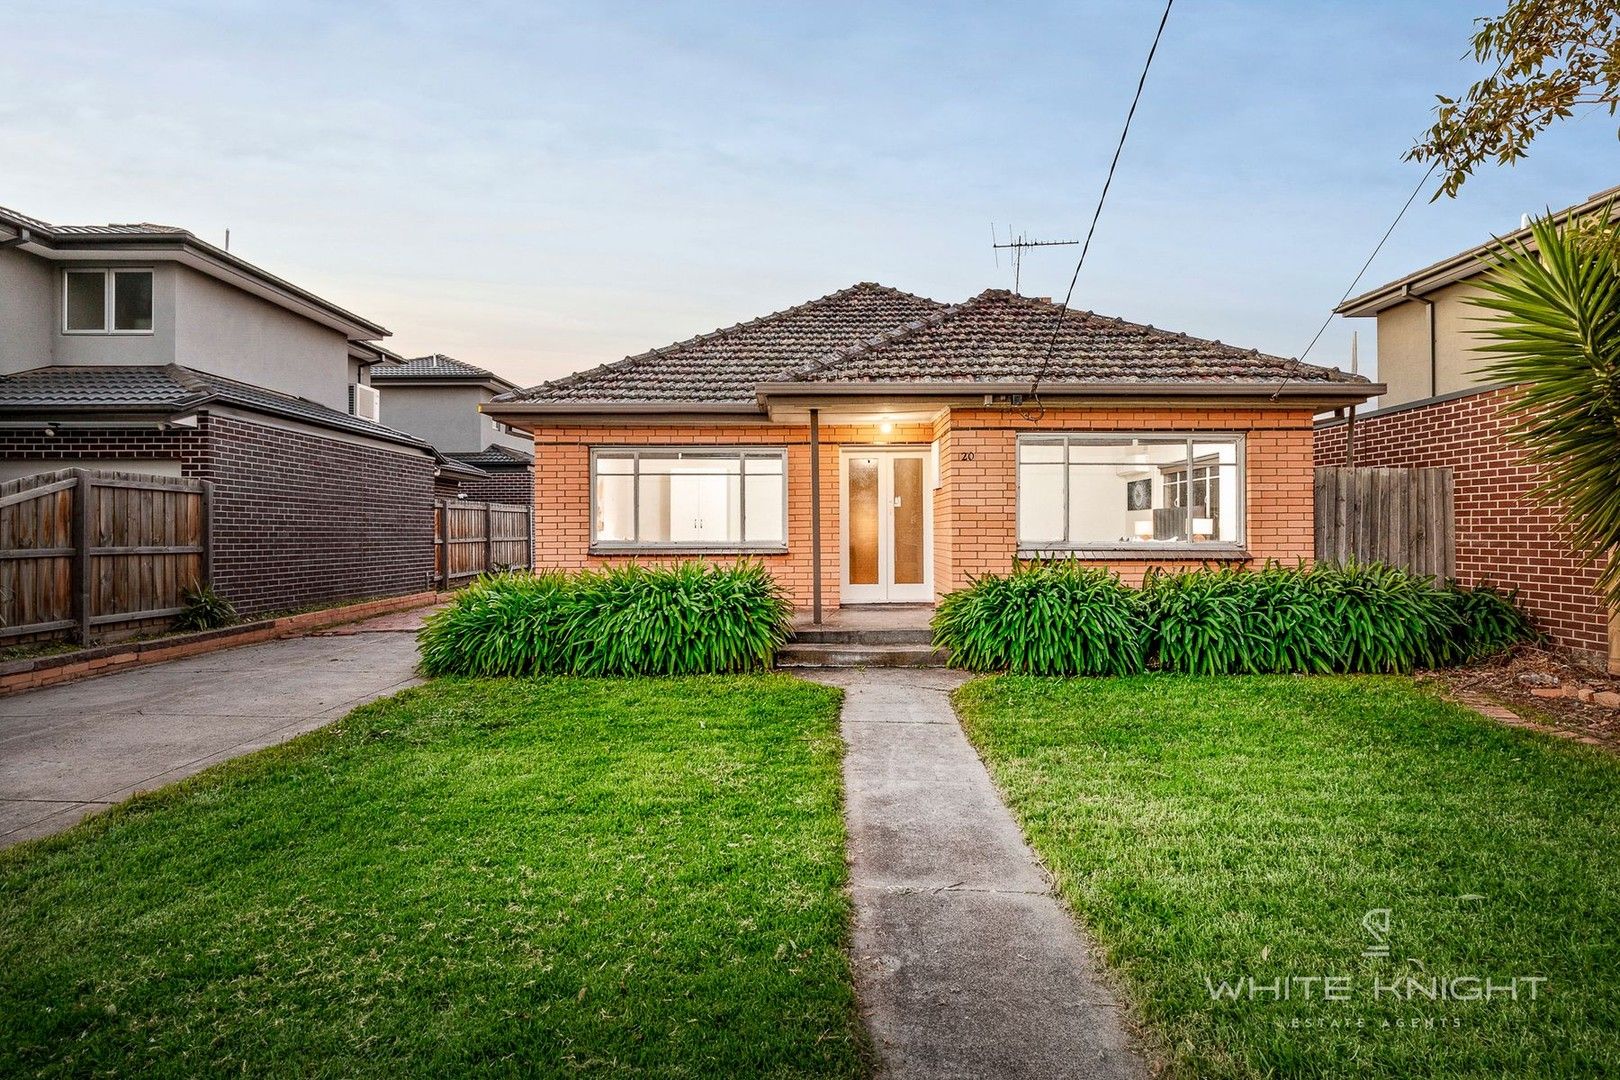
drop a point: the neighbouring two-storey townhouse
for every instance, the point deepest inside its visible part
(874, 446)
(1439, 411)
(143, 348)
(438, 397)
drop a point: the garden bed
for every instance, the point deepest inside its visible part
(1545, 686)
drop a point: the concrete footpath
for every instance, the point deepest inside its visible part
(966, 965)
(68, 751)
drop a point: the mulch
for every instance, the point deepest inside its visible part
(1510, 684)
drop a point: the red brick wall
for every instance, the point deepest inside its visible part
(974, 506)
(297, 519)
(1503, 536)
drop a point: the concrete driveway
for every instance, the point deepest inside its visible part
(69, 751)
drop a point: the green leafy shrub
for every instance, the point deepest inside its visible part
(501, 624)
(1227, 621)
(1387, 620)
(204, 609)
(1044, 619)
(1061, 619)
(1489, 622)
(694, 618)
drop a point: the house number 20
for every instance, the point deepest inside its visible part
(967, 455)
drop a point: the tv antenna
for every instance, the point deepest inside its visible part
(1018, 245)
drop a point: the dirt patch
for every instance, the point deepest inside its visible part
(1545, 689)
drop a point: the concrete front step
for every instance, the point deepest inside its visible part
(836, 655)
(821, 635)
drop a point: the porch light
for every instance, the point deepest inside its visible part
(886, 428)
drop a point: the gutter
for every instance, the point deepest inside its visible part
(1359, 391)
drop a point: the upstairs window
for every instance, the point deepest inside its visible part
(709, 498)
(1133, 492)
(107, 301)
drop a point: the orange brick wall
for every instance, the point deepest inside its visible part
(974, 505)
(562, 492)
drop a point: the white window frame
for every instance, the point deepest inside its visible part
(1028, 548)
(109, 276)
(768, 547)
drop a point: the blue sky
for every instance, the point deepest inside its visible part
(538, 188)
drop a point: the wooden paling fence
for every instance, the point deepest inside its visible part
(470, 538)
(1401, 517)
(86, 552)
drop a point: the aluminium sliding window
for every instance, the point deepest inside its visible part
(1129, 491)
(107, 301)
(666, 498)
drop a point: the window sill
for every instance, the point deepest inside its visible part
(685, 549)
(1143, 553)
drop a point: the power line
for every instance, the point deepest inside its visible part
(1320, 330)
(1035, 387)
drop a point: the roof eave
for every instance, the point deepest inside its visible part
(1272, 388)
(1462, 266)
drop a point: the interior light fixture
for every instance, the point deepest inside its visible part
(886, 427)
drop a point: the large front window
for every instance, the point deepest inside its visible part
(1129, 491)
(708, 498)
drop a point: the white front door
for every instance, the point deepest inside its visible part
(887, 529)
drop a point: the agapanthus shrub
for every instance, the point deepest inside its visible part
(1489, 622)
(1231, 621)
(1044, 619)
(688, 619)
(691, 619)
(1064, 619)
(501, 624)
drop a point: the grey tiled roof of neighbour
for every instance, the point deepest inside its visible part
(1000, 337)
(495, 457)
(169, 388)
(436, 366)
(725, 365)
(453, 463)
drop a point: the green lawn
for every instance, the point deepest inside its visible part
(537, 877)
(1216, 829)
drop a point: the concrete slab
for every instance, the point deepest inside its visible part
(69, 751)
(966, 964)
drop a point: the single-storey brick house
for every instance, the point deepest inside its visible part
(874, 447)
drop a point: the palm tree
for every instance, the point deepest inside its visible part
(1556, 332)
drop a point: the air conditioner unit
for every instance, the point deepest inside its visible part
(365, 402)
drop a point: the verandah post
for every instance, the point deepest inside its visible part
(815, 516)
